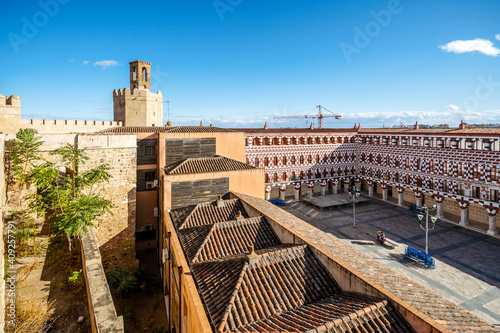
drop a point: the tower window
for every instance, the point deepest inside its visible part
(144, 75)
(134, 74)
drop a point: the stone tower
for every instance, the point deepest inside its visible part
(137, 105)
(10, 113)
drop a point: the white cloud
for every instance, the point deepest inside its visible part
(71, 60)
(497, 36)
(106, 63)
(476, 45)
(452, 107)
(85, 62)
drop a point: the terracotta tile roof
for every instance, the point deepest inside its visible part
(479, 130)
(165, 129)
(206, 214)
(225, 239)
(437, 308)
(205, 164)
(262, 131)
(344, 312)
(286, 289)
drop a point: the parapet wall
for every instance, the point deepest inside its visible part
(101, 307)
(67, 126)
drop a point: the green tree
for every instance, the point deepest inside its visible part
(24, 152)
(70, 197)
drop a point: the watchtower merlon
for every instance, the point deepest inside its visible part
(140, 75)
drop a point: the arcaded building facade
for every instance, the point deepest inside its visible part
(456, 169)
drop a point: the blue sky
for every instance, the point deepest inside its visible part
(237, 63)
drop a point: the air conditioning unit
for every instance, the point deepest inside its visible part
(155, 212)
(164, 256)
(150, 185)
(148, 227)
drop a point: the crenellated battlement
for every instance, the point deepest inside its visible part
(117, 93)
(67, 126)
(13, 101)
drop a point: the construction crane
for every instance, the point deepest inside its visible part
(320, 115)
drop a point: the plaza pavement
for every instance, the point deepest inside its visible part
(467, 269)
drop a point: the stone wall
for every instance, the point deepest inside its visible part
(103, 316)
(66, 126)
(116, 232)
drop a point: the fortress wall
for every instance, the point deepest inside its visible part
(115, 232)
(67, 126)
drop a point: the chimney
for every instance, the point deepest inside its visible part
(416, 125)
(252, 256)
(220, 202)
(239, 217)
(359, 126)
(311, 127)
(265, 125)
(355, 126)
(201, 123)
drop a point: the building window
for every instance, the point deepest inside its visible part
(460, 170)
(150, 151)
(301, 159)
(476, 171)
(275, 160)
(144, 75)
(275, 177)
(293, 160)
(284, 160)
(150, 176)
(266, 161)
(494, 173)
(256, 162)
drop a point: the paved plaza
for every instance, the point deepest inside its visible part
(467, 269)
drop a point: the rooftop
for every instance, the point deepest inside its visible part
(279, 287)
(165, 129)
(205, 164)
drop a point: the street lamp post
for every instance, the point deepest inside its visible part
(353, 195)
(425, 210)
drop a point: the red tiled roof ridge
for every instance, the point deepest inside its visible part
(196, 165)
(206, 204)
(230, 304)
(164, 129)
(202, 245)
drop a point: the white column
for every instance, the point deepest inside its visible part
(346, 187)
(463, 216)
(323, 189)
(282, 192)
(384, 194)
(297, 192)
(370, 190)
(401, 198)
(334, 188)
(268, 192)
(419, 202)
(493, 225)
(439, 209)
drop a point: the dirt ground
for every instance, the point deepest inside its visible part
(43, 285)
(145, 310)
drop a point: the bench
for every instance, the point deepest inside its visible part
(414, 208)
(278, 202)
(419, 256)
(390, 243)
